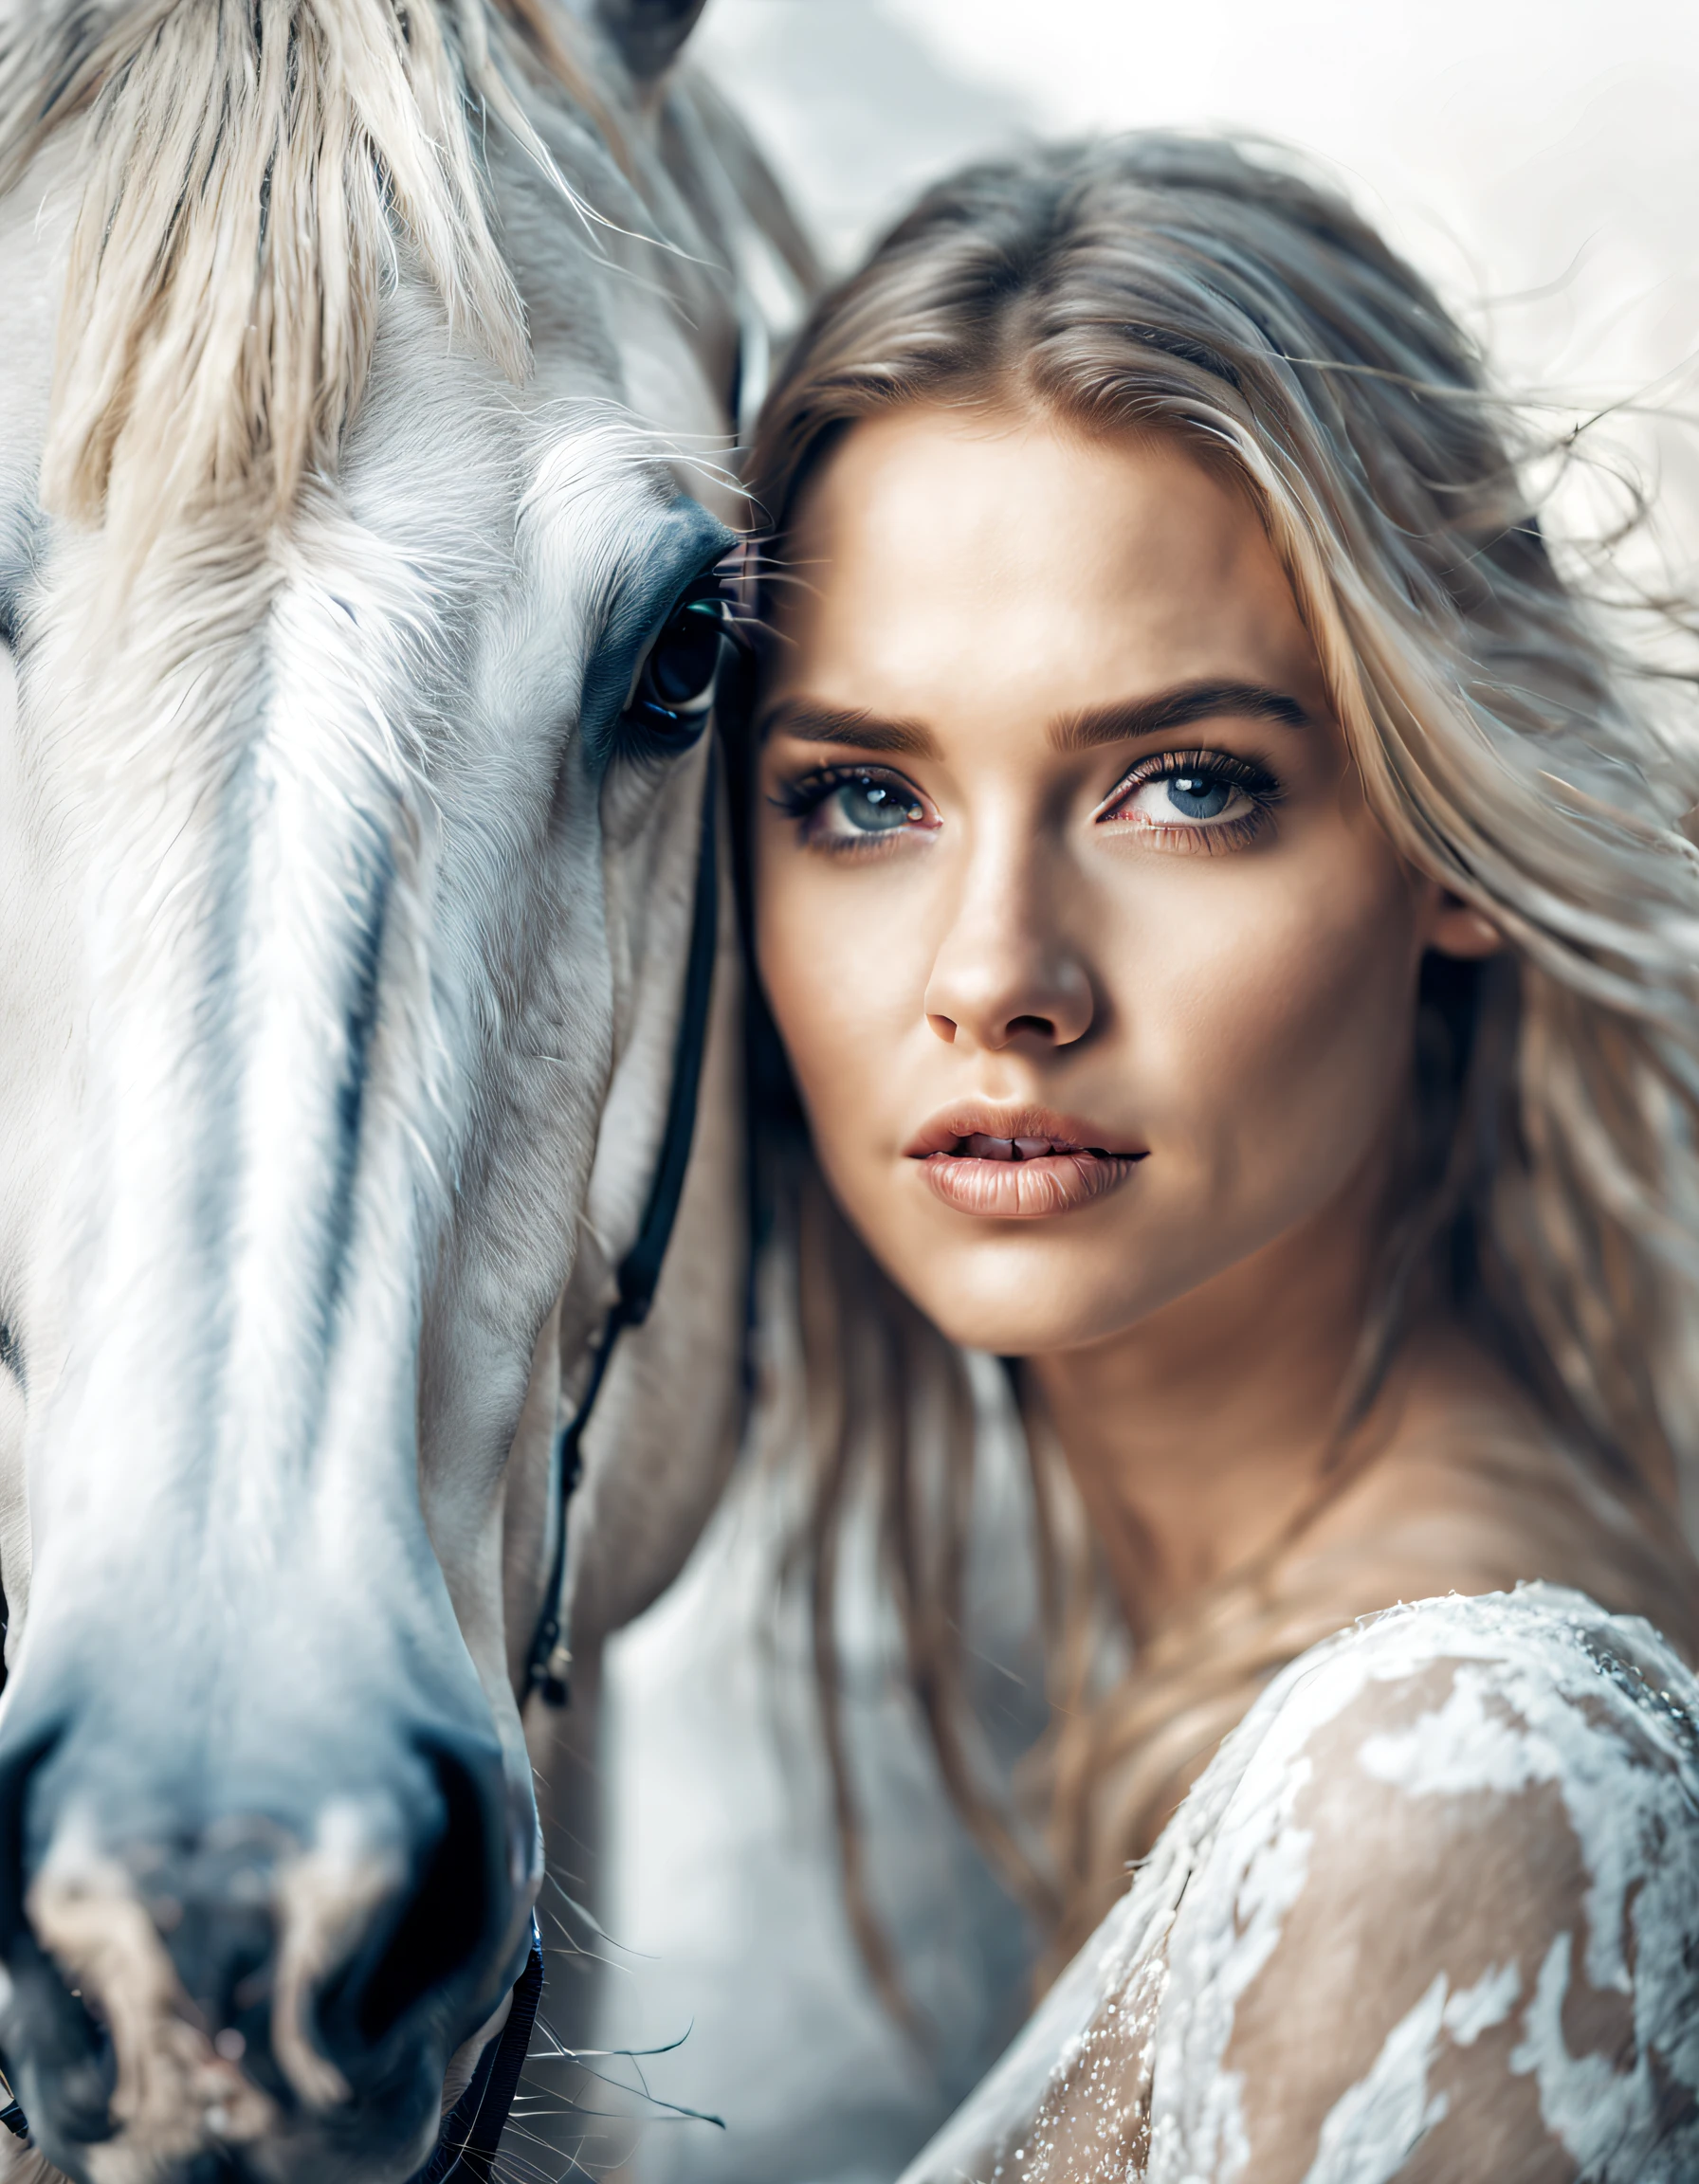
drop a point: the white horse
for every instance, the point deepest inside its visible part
(350, 794)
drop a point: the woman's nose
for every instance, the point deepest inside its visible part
(1008, 972)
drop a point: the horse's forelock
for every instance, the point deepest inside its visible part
(249, 166)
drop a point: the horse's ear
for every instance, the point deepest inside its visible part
(648, 33)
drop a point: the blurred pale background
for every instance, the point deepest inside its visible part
(1538, 162)
(1538, 158)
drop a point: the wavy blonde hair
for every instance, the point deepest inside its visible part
(1514, 743)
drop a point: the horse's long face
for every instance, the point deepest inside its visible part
(339, 880)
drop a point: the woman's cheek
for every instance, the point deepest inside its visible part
(1279, 1045)
(841, 985)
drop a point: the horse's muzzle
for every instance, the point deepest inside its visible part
(272, 1990)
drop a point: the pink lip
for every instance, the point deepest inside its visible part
(1020, 1163)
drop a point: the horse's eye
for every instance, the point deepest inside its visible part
(673, 692)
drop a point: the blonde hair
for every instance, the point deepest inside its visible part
(1512, 746)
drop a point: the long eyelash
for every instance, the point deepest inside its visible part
(1256, 781)
(796, 799)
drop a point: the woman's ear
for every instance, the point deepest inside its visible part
(1456, 928)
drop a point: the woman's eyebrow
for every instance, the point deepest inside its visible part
(1167, 709)
(812, 722)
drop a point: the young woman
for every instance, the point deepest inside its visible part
(1219, 891)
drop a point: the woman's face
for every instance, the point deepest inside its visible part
(1097, 976)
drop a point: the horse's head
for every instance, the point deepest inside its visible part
(350, 781)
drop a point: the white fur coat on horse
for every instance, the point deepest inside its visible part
(349, 815)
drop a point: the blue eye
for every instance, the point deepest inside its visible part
(1200, 796)
(875, 807)
(842, 806)
(1182, 798)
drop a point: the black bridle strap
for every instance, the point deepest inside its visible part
(466, 2152)
(549, 1658)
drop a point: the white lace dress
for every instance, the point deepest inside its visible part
(1432, 1914)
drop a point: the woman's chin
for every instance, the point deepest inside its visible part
(1049, 1309)
(1010, 1278)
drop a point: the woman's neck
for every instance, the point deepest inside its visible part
(1197, 1437)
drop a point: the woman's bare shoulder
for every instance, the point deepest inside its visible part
(1470, 1490)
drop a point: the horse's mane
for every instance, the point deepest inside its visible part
(249, 165)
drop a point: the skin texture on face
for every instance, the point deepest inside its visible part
(1218, 977)
(1058, 843)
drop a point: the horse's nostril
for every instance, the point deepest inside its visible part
(443, 1924)
(68, 2044)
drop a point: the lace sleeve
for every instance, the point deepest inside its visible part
(1433, 1914)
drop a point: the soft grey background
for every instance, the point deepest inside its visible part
(1538, 162)
(1536, 157)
